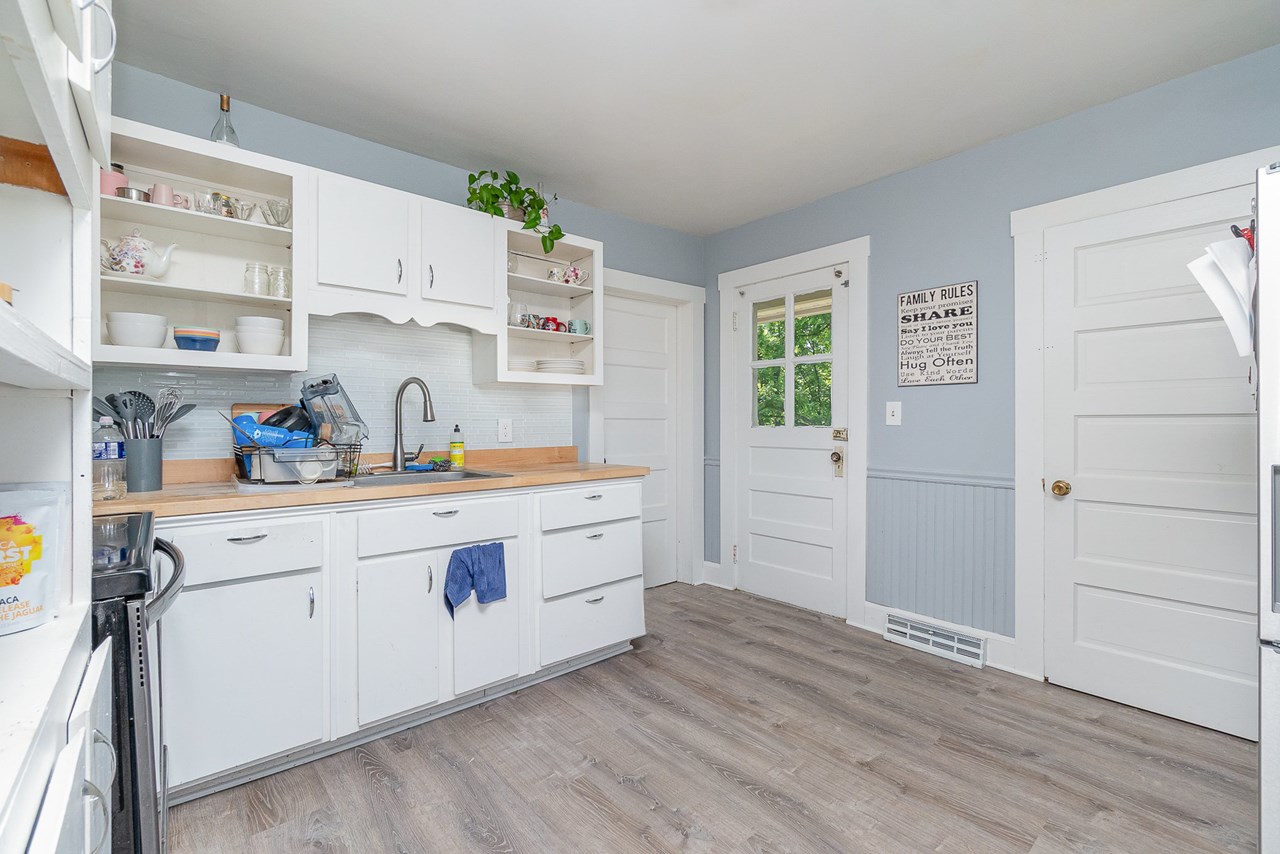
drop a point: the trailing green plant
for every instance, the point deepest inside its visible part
(495, 192)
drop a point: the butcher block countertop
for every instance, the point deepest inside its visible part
(195, 487)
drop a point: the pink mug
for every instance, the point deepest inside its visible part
(163, 194)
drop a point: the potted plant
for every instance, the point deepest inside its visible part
(499, 194)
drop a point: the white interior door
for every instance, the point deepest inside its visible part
(792, 507)
(1151, 559)
(641, 399)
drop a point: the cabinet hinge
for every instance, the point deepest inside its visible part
(735, 321)
(735, 554)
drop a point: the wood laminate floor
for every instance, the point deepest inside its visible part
(740, 724)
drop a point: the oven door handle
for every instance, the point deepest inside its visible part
(164, 599)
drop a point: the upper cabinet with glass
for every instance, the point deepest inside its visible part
(212, 234)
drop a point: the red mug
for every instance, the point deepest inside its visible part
(554, 324)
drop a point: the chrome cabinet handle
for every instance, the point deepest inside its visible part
(399, 270)
(95, 794)
(100, 738)
(431, 578)
(100, 64)
(444, 514)
(597, 600)
(244, 541)
(596, 536)
(311, 602)
(431, 280)
(595, 497)
(163, 600)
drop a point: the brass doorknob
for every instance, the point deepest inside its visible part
(1060, 488)
(836, 456)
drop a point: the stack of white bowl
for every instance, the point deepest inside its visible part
(260, 336)
(131, 329)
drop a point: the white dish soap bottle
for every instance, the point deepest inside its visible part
(457, 449)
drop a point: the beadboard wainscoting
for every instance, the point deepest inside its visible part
(371, 357)
(941, 545)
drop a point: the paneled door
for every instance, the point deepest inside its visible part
(641, 396)
(793, 361)
(1150, 446)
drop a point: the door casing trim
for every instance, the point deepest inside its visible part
(856, 253)
(1025, 654)
(690, 303)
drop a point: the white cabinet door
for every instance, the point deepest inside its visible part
(397, 641)
(91, 715)
(90, 75)
(457, 254)
(243, 673)
(486, 638)
(60, 827)
(364, 236)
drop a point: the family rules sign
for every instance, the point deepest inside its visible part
(938, 335)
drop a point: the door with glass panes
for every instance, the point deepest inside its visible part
(792, 503)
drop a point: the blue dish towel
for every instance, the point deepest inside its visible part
(479, 568)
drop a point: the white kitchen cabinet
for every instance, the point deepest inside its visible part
(60, 828)
(89, 71)
(364, 237)
(590, 619)
(243, 673)
(397, 640)
(486, 637)
(457, 255)
(91, 717)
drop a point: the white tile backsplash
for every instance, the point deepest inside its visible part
(371, 357)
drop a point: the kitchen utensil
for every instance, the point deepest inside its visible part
(196, 342)
(260, 342)
(133, 194)
(290, 418)
(266, 323)
(125, 334)
(110, 180)
(143, 406)
(237, 428)
(243, 210)
(161, 194)
(137, 255)
(166, 403)
(144, 464)
(277, 211)
(100, 407)
(183, 411)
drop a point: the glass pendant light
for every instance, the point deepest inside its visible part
(223, 131)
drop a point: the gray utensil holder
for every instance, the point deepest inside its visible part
(144, 464)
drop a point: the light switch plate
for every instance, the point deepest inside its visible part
(893, 413)
(504, 430)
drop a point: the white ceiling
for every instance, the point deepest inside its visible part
(694, 114)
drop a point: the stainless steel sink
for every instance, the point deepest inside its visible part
(391, 477)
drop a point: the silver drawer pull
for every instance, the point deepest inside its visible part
(311, 602)
(595, 497)
(244, 541)
(597, 600)
(93, 793)
(101, 738)
(444, 514)
(596, 536)
(431, 578)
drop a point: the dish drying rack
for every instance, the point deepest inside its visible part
(333, 455)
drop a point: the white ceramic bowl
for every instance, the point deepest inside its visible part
(267, 323)
(259, 343)
(136, 334)
(136, 317)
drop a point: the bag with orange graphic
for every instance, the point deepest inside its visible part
(31, 530)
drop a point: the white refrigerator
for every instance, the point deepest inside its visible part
(1267, 312)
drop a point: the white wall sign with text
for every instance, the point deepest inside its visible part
(938, 335)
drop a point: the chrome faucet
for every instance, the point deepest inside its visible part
(398, 456)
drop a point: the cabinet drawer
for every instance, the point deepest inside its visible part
(243, 550)
(591, 620)
(578, 558)
(380, 532)
(589, 505)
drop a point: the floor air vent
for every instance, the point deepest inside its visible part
(939, 641)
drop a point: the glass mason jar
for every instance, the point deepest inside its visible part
(281, 282)
(256, 279)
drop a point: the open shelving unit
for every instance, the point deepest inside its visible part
(525, 280)
(31, 359)
(204, 284)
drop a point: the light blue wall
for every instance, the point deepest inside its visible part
(629, 245)
(949, 222)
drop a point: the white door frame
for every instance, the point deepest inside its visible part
(690, 303)
(1027, 227)
(856, 253)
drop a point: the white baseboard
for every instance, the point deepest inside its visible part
(715, 575)
(1001, 649)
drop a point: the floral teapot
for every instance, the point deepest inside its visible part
(136, 255)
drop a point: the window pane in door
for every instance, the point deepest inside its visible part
(813, 394)
(770, 397)
(813, 323)
(770, 322)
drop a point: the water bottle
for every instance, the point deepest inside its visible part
(108, 461)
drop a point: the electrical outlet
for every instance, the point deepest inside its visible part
(893, 413)
(504, 430)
